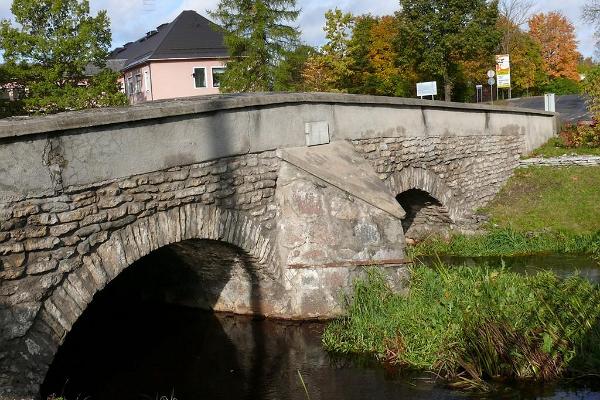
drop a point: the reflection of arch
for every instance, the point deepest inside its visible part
(127, 245)
(422, 179)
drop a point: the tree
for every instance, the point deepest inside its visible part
(288, 74)
(374, 58)
(527, 64)
(48, 50)
(436, 36)
(591, 87)
(330, 69)
(258, 39)
(514, 15)
(556, 37)
(591, 13)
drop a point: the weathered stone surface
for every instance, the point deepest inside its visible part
(292, 236)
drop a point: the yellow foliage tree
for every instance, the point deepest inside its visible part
(555, 35)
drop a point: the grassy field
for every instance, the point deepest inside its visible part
(549, 198)
(540, 210)
(469, 325)
(555, 148)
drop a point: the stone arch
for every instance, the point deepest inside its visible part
(427, 181)
(125, 246)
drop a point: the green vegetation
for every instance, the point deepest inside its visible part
(508, 242)
(46, 54)
(549, 199)
(540, 210)
(258, 38)
(469, 325)
(556, 147)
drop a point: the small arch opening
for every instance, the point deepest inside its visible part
(425, 215)
(150, 331)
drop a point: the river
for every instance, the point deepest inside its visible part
(144, 350)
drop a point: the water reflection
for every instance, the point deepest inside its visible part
(152, 350)
(563, 265)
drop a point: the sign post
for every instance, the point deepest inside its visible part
(503, 72)
(427, 89)
(491, 82)
(479, 93)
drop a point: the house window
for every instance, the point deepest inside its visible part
(199, 77)
(130, 85)
(216, 76)
(138, 83)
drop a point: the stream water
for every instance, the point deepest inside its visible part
(123, 348)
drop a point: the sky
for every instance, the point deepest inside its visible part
(131, 19)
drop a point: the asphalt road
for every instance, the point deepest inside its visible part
(571, 107)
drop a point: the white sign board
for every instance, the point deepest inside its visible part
(427, 89)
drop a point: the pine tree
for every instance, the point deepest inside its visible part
(258, 37)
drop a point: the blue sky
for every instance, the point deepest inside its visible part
(130, 19)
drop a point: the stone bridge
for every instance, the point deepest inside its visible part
(267, 204)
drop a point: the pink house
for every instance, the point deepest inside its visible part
(179, 59)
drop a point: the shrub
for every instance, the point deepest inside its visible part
(580, 135)
(591, 87)
(468, 324)
(562, 86)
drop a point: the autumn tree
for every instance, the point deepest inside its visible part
(514, 15)
(258, 36)
(436, 36)
(330, 69)
(288, 74)
(47, 52)
(375, 60)
(555, 35)
(527, 64)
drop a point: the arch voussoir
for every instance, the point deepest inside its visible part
(428, 181)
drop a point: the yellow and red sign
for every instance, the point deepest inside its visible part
(503, 71)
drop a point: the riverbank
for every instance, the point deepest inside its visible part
(472, 324)
(540, 210)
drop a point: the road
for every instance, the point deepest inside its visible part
(571, 107)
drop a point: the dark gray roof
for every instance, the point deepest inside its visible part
(190, 35)
(112, 64)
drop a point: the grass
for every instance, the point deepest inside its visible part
(509, 242)
(540, 210)
(555, 147)
(549, 198)
(472, 325)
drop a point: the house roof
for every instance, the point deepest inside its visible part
(190, 35)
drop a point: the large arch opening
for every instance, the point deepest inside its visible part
(147, 333)
(425, 215)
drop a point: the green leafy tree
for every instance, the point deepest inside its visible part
(288, 74)
(591, 87)
(329, 70)
(258, 38)
(436, 36)
(47, 52)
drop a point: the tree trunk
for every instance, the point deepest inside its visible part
(447, 88)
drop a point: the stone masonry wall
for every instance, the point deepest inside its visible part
(470, 170)
(44, 239)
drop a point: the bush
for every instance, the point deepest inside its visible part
(468, 324)
(591, 87)
(562, 86)
(581, 135)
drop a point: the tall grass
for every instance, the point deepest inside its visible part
(469, 325)
(510, 242)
